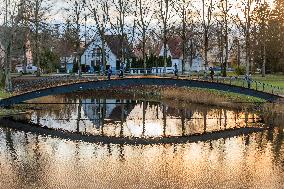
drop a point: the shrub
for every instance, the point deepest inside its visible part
(241, 70)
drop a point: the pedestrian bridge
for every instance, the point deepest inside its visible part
(47, 86)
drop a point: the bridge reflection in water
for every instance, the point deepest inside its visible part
(29, 160)
(131, 118)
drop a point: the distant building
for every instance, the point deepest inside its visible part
(92, 55)
(67, 62)
(174, 51)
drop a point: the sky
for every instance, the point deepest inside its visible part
(58, 15)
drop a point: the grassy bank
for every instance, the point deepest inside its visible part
(208, 96)
(275, 80)
(195, 95)
(4, 112)
(4, 94)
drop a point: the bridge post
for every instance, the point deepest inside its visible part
(263, 86)
(255, 85)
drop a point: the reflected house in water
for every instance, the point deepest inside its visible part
(100, 110)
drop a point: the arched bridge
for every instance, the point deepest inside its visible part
(56, 87)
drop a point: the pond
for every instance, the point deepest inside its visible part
(30, 159)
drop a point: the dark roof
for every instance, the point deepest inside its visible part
(175, 46)
(115, 44)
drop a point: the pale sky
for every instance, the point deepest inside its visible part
(58, 15)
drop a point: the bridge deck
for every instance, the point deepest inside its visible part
(28, 84)
(38, 87)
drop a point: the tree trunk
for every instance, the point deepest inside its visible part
(37, 39)
(191, 54)
(25, 58)
(226, 41)
(144, 52)
(103, 54)
(263, 61)
(183, 39)
(8, 82)
(239, 54)
(248, 26)
(206, 50)
(165, 49)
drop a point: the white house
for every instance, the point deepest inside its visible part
(92, 55)
(67, 62)
(174, 50)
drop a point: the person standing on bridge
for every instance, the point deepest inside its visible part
(109, 72)
(248, 80)
(176, 70)
(121, 70)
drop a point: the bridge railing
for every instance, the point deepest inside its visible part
(242, 82)
(45, 82)
(52, 81)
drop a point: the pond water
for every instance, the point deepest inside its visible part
(32, 160)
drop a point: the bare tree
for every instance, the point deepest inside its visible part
(121, 11)
(76, 11)
(36, 20)
(224, 7)
(100, 13)
(262, 16)
(165, 15)
(207, 10)
(184, 11)
(9, 29)
(143, 23)
(244, 23)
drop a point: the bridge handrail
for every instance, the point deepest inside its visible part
(54, 81)
(243, 82)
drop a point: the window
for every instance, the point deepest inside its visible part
(96, 52)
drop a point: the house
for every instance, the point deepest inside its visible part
(92, 55)
(174, 51)
(67, 62)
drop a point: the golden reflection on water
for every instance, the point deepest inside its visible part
(30, 161)
(129, 118)
(34, 161)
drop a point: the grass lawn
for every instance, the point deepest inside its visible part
(4, 94)
(275, 80)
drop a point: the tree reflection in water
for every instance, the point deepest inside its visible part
(30, 160)
(35, 161)
(132, 118)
